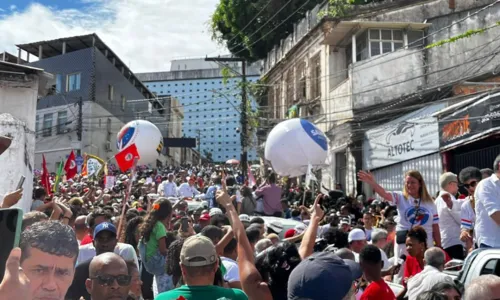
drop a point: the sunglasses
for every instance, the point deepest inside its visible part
(107, 280)
(472, 184)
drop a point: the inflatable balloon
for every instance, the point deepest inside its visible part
(294, 144)
(146, 137)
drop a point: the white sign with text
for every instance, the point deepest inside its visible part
(394, 143)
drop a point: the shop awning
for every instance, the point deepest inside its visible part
(479, 119)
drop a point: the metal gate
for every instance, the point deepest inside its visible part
(482, 158)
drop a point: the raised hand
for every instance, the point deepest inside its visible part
(365, 176)
(15, 284)
(12, 198)
(317, 211)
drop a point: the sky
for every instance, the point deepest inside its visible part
(145, 34)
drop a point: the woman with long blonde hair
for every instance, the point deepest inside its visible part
(415, 208)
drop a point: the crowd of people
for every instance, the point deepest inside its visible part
(203, 232)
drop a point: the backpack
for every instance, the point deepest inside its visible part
(156, 264)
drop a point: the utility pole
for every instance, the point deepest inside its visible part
(79, 129)
(199, 145)
(243, 114)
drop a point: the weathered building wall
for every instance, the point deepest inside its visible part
(17, 120)
(384, 79)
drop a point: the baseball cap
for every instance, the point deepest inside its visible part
(198, 251)
(290, 233)
(275, 226)
(244, 218)
(356, 235)
(106, 226)
(205, 217)
(322, 273)
(300, 228)
(344, 221)
(215, 211)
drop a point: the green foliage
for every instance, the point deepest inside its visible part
(464, 35)
(337, 8)
(229, 21)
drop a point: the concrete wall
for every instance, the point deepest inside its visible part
(17, 119)
(107, 74)
(470, 56)
(74, 62)
(94, 135)
(381, 80)
(252, 70)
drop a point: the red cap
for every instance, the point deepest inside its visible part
(205, 217)
(290, 233)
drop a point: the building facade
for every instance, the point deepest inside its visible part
(389, 59)
(20, 87)
(91, 98)
(211, 104)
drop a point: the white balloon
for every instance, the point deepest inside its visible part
(294, 144)
(146, 137)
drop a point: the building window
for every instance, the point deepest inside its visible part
(124, 103)
(62, 119)
(316, 77)
(73, 82)
(111, 92)
(47, 124)
(37, 126)
(59, 79)
(385, 41)
(415, 38)
(301, 81)
(289, 89)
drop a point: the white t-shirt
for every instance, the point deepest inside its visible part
(449, 221)
(427, 214)
(170, 189)
(487, 195)
(187, 191)
(387, 265)
(467, 215)
(232, 271)
(368, 233)
(126, 251)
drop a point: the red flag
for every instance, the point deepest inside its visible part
(70, 166)
(125, 158)
(45, 176)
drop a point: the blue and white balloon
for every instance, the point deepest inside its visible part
(294, 144)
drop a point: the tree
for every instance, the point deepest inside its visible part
(232, 25)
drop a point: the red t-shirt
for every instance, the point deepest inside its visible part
(412, 267)
(86, 240)
(378, 290)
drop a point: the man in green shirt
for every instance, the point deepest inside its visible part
(199, 262)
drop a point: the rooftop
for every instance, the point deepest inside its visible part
(60, 46)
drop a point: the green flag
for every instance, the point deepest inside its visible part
(59, 175)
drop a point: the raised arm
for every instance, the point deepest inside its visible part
(251, 281)
(307, 245)
(368, 178)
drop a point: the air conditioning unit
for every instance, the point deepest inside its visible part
(107, 146)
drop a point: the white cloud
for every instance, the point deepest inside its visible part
(145, 33)
(13, 7)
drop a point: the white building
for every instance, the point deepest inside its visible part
(20, 87)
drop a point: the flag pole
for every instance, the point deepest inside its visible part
(127, 196)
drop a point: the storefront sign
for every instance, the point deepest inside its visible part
(470, 121)
(399, 142)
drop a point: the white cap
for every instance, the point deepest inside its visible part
(244, 218)
(344, 221)
(356, 235)
(215, 211)
(300, 228)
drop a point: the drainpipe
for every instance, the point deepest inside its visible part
(451, 4)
